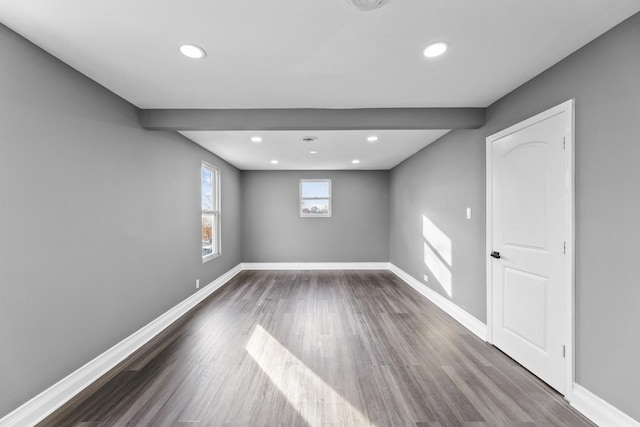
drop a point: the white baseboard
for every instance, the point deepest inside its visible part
(44, 404)
(599, 411)
(459, 314)
(591, 406)
(41, 406)
(315, 266)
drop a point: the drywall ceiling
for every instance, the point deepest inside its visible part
(334, 149)
(311, 53)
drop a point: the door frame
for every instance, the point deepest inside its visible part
(568, 331)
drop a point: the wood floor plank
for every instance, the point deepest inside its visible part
(318, 348)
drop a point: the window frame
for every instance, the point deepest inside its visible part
(215, 212)
(302, 199)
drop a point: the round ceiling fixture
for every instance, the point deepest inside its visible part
(355, 161)
(372, 138)
(435, 49)
(313, 152)
(365, 5)
(192, 51)
(274, 162)
(256, 139)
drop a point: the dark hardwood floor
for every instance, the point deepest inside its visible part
(330, 348)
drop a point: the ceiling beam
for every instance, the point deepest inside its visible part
(313, 119)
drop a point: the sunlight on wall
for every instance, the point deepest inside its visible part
(436, 239)
(314, 399)
(438, 269)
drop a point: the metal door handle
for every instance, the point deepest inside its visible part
(495, 254)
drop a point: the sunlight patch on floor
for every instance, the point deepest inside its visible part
(312, 398)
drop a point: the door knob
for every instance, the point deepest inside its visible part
(495, 254)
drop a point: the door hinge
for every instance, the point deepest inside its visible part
(564, 352)
(564, 247)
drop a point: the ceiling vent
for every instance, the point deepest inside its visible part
(367, 4)
(308, 138)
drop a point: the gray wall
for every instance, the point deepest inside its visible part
(358, 229)
(603, 79)
(98, 237)
(99, 220)
(440, 182)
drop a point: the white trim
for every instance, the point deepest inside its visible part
(570, 222)
(301, 199)
(315, 266)
(488, 239)
(599, 411)
(569, 327)
(462, 316)
(41, 406)
(45, 403)
(216, 212)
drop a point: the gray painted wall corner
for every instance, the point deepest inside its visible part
(602, 78)
(99, 230)
(434, 188)
(358, 229)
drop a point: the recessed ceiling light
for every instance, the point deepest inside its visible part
(355, 161)
(274, 162)
(367, 4)
(313, 152)
(256, 139)
(435, 49)
(372, 138)
(192, 51)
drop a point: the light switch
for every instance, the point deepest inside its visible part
(468, 213)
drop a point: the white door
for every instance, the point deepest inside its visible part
(527, 188)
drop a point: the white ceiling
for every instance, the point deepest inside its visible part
(311, 53)
(335, 149)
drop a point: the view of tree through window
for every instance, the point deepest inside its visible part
(210, 211)
(315, 197)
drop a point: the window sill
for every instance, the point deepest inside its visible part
(210, 257)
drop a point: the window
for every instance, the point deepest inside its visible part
(315, 198)
(210, 189)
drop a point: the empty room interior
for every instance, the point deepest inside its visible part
(340, 212)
